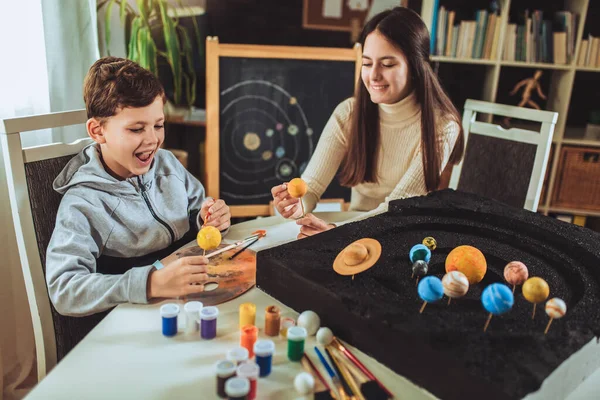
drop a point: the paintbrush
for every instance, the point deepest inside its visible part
(255, 235)
(243, 248)
(326, 394)
(336, 381)
(370, 390)
(360, 365)
(345, 373)
(345, 384)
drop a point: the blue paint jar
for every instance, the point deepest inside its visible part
(169, 313)
(264, 350)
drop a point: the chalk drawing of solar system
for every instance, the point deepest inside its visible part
(265, 139)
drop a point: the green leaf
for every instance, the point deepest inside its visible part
(123, 11)
(173, 52)
(133, 39)
(107, 16)
(144, 11)
(153, 64)
(142, 44)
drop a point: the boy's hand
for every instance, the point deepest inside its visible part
(288, 206)
(216, 213)
(311, 225)
(181, 277)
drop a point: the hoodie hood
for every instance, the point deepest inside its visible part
(87, 170)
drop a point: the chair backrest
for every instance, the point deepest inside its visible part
(34, 204)
(507, 165)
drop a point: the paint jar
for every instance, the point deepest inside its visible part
(169, 313)
(296, 337)
(250, 371)
(192, 316)
(237, 388)
(249, 334)
(238, 355)
(247, 314)
(264, 350)
(286, 323)
(225, 369)
(208, 322)
(272, 321)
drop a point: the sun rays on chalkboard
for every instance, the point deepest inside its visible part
(266, 136)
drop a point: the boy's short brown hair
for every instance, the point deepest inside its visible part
(113, 83)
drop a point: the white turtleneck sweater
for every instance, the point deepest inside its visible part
(400, 166)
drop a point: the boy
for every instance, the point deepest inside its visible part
(127, 203)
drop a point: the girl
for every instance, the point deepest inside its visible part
(394, 137)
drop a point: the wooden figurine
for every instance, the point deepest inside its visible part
(529, 84)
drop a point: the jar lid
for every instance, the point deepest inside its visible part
(296, 333)
(249, 330)
(272, 310)
(237, 387)
(248, 370)
(238, 354)
(169, 310)
(251, 307)
(192, 307)
(209, 313)
(264, 347)
(225, 368)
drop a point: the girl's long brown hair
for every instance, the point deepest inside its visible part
(406, 30)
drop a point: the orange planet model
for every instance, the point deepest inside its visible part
(468, 260)
(297, 188)
(357, 257)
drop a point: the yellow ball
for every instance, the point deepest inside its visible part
(430, 243)
(209, 238)
(536, 290)
(468, 260)
(297, 188)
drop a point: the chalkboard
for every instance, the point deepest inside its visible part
(273, 103)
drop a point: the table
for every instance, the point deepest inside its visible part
(127, 357)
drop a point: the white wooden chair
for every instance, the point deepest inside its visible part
(34, 204)
(507, 165)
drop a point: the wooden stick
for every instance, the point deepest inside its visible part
(548, 326)
(533, 314)
(203, 252)
(412, 276)
(417, 284)
(514, 286)
(422, 307)
(449, 300)
(487, 322)
(302, 206)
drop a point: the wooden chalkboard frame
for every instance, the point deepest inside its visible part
(215, 50)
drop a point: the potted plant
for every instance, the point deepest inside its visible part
(160, 43)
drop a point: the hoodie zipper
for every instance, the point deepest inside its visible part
(145, 196)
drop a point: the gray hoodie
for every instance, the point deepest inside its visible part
(109, 231)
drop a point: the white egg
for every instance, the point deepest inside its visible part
(324, 336)
(304, 383)
(310, 321)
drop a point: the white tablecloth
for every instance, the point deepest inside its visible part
(127, 357)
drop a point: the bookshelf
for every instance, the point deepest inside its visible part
(560, 78)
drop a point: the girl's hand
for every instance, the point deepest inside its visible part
(311, 225)
(288, 206)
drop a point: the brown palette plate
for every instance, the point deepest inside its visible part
(233, 277)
